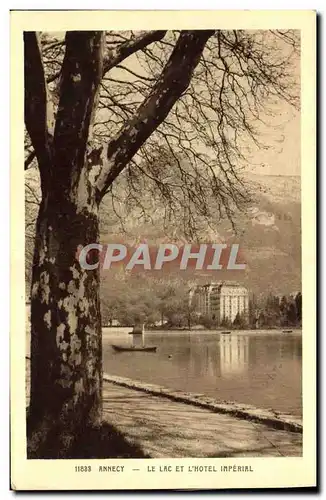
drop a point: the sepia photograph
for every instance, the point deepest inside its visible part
(163, 206)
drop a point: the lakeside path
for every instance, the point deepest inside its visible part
(170, 429)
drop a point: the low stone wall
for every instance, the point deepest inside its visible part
(244, 411)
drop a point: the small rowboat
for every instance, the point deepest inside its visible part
(225, 333)
(287, 331)
(121, 348)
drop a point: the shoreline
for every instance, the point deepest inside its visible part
(106, 330)
(241, 411)
(270, 418)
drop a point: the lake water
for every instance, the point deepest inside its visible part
(262, 368)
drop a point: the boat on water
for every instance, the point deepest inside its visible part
(226, 332)
(132, 348)
(287, 331)
(138, 343)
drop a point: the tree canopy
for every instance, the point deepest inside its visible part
(188, 106)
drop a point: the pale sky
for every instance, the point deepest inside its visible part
(284, 157)
(283, 135)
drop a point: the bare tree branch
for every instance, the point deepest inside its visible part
(38, 118)
(128, 48)
(29, 159)
(173, 82)
(79, 87)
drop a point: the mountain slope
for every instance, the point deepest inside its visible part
(269, 234)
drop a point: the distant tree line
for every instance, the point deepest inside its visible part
(275, 311)
(156, 303)
(165, 304)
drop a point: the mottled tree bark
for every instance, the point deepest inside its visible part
(66, 348)
(65, 308)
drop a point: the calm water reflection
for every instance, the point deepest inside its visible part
(259, 368)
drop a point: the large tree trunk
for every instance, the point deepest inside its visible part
(65, 318)
(66, 344)
(65, 328)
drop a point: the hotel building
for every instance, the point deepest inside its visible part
(220, 301)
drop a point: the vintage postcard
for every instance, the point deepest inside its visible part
(163, 301)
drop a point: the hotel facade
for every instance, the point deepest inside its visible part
(220, 301)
